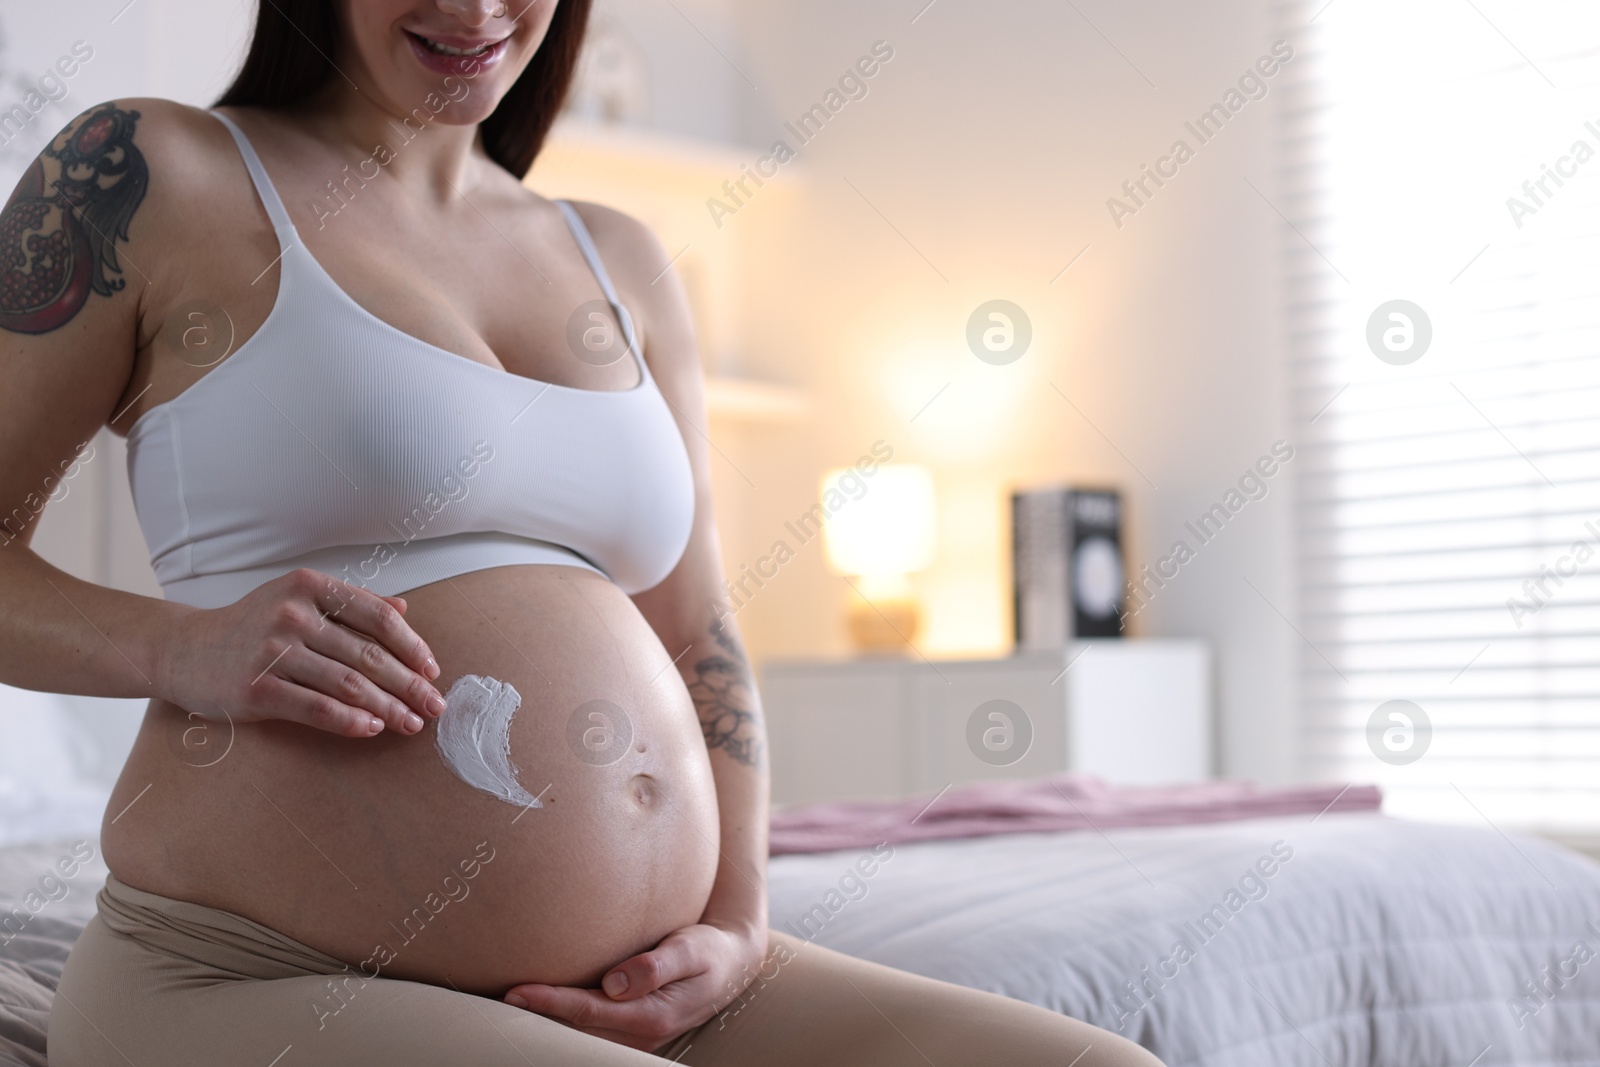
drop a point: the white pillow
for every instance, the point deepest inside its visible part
(40, 738)
(59, 757)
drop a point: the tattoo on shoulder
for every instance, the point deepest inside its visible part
(723, 694)
(59, 233)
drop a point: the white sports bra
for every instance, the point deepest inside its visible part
(335, 441)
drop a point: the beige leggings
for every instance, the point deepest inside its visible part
(156, 982)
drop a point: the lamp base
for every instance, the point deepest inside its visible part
(883, 627)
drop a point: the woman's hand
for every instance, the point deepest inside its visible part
(649, 999)
(307, 648)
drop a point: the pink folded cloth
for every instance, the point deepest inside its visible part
(1058, 802)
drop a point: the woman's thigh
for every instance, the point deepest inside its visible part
(121, 1003)
(823, 1007)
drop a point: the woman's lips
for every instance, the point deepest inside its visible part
(463, 66)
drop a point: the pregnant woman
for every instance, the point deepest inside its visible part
(449, 756)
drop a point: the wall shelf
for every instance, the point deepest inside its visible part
(753, 401)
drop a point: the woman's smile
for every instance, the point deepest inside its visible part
(447, 54)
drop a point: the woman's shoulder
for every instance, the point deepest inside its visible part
(181, 138)
(136, 174)
(172, 152)
(634, 256)
(641, 267)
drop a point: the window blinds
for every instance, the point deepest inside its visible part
(1447, 154)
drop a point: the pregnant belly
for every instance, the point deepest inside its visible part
(375, 852)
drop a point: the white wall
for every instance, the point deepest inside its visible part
(693, 91)
(182, 49)
(991, 142)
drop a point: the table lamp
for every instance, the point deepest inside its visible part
(878, 532)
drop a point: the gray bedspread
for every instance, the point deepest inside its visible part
(1375, 942)
(41, 914)
(1344, 942)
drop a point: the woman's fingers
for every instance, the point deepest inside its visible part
(373, 660)
(370, 614)
(308, 648)
(296, 703)
(643, 974)
(643, 1025)
(368, 634)
(668, 990)
(348, 686)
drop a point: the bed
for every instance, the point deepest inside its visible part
(32, 949)
(1379, 941)
(1371, 941)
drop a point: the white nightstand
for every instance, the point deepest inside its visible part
(1130, 711)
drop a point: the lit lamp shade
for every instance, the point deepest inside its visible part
(880, 530)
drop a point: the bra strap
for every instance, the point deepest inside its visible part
(287, 235)
(580, 233)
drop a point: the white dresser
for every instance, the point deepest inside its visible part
(1130, 711)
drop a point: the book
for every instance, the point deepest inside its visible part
(1067, 569)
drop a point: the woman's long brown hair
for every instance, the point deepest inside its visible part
(290, 59)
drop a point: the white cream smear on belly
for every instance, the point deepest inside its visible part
(474, 737)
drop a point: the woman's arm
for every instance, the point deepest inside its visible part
(688, 612)
(71, 304)
(95, 245)
(694, 972)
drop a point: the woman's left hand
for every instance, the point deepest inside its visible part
(648, 1000)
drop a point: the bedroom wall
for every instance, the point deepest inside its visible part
(977, 166)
